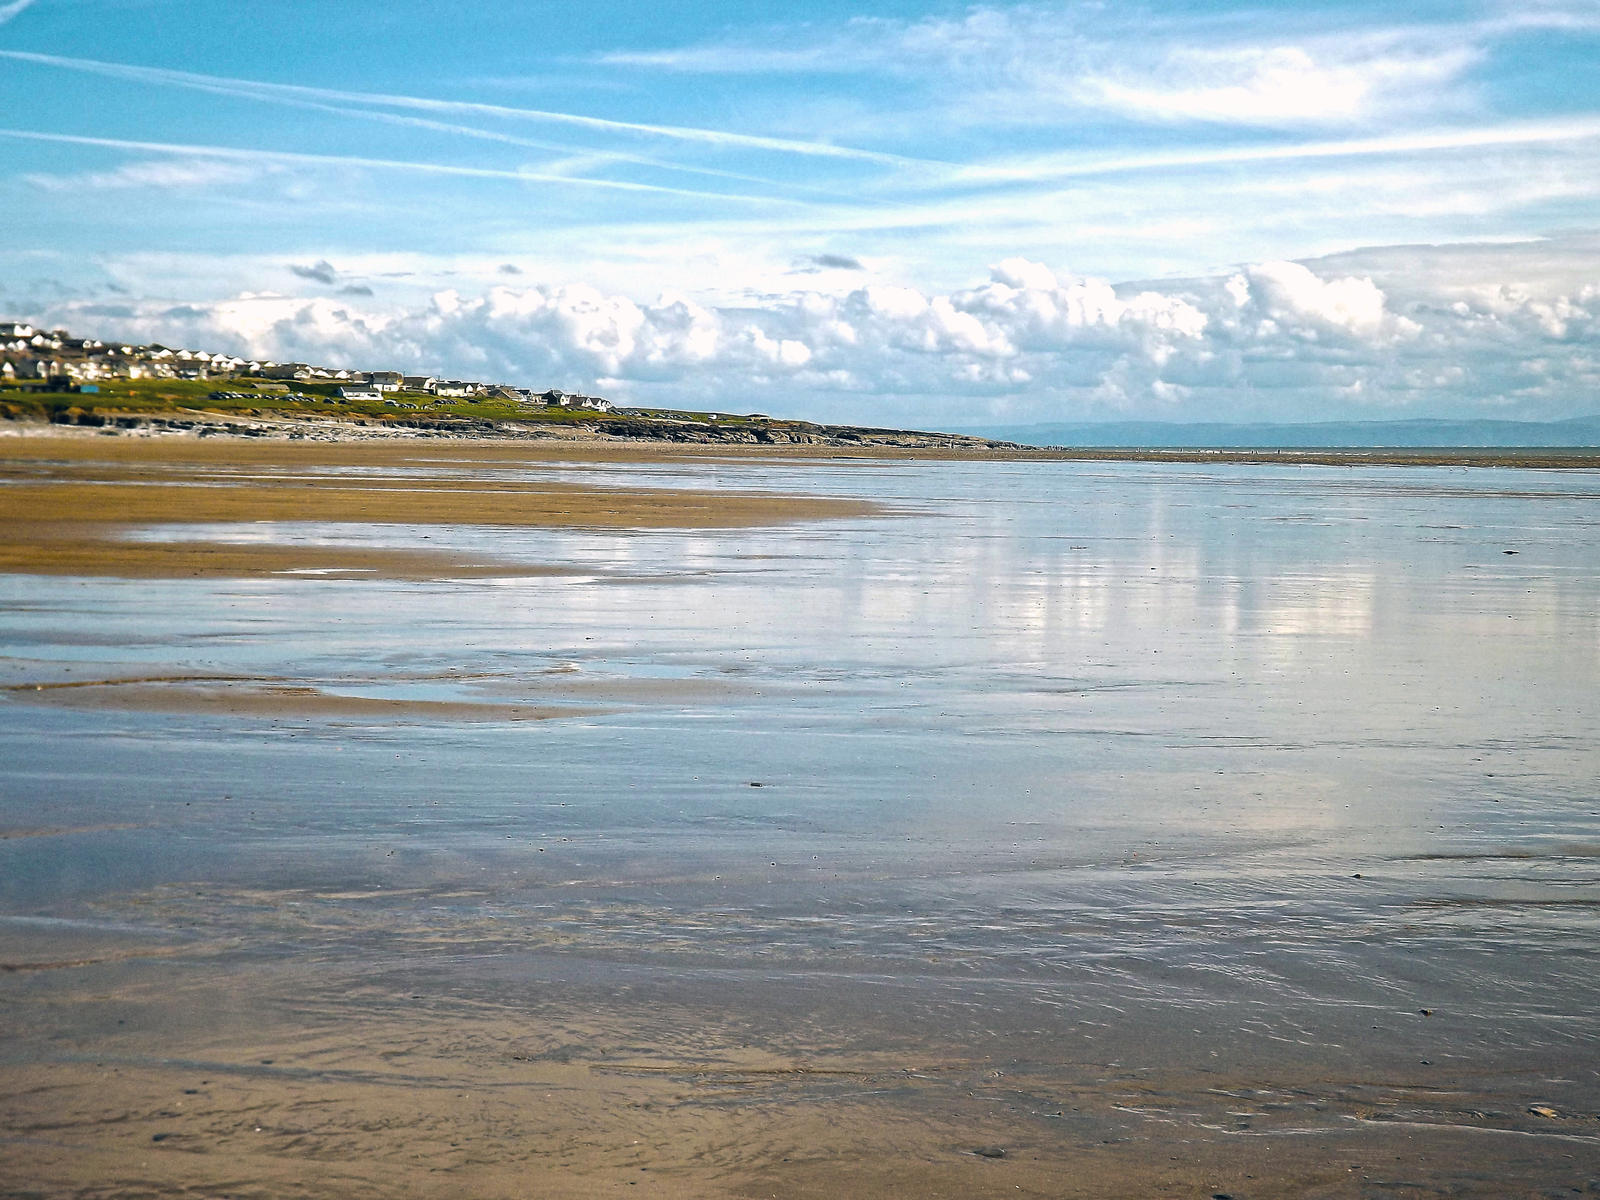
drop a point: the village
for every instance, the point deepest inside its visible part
(54, 360)
(50, 376)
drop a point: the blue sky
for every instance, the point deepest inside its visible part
(903, 213)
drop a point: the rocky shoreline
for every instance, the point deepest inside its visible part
(281, 425)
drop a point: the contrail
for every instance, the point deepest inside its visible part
(381, 164)
(15, 9)
(262, 90)
(1521, 133)
(251, 91)
(511, 139)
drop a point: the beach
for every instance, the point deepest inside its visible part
(448, 818)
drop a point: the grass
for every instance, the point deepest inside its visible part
(168, 396)
(175, 397)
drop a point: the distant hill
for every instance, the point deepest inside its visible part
(1576, 432)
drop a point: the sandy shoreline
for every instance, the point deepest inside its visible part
(69, 497)
(67, 501)
(68, 505)
(411, 929)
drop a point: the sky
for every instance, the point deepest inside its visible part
(901, 213)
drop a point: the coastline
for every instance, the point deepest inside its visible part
(786, 440)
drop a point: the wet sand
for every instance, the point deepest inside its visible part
(65, 500)
(526, 698)
(1113, 865)
(256, 698)
(391, 1120)
(391, 1077)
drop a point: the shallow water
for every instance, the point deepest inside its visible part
(1150, 766)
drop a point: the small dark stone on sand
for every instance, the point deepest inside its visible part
(159, 1137)
(990, 1152)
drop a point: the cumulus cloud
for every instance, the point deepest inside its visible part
(1276, 339)
(1289, 295)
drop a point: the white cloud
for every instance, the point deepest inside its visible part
(1292, 297)
(1276, 340)
(1277, 85)
(1032, 63)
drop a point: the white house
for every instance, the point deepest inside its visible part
(359, 393)
(385, 381)
(41, 368)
